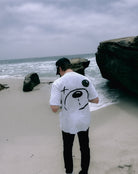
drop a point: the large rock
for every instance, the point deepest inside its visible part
(118, 61)
(30, 81)
(79, 65)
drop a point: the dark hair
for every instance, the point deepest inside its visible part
(64, 63)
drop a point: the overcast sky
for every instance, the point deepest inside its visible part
(39, 28)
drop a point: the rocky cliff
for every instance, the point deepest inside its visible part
(118, 62)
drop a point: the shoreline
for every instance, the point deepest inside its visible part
(30, 137)
(45, 81)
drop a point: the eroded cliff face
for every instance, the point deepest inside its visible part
(118, 61)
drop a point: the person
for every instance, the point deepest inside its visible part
(72, 92)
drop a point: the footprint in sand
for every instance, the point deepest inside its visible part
(122, 169)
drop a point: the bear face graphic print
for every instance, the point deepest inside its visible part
(76, 99)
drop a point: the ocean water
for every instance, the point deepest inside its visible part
(45, 67)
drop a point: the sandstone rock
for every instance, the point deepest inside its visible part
(30, 81)
(79, 65)
(118, 62)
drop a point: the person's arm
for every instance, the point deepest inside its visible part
(54, 108)
(55, 98)
(93, 96)
(95, 100)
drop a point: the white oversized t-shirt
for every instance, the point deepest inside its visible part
(72, 92)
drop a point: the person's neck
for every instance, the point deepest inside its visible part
(68, 70)
(64, 72)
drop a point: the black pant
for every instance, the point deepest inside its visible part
(84, 148)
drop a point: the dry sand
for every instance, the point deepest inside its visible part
(30, 138)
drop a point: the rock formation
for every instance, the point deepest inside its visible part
(3, 86)
(30, 81)
(118, 62)
(79, 65)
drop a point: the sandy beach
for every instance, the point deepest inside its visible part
(30, 137)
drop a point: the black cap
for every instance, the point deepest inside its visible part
(64, 63)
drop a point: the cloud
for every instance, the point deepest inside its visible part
(126, 3)
(58, 27)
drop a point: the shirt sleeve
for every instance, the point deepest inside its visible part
(55, 98)
(92, 92)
